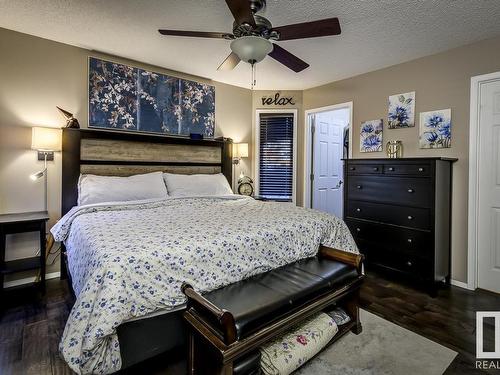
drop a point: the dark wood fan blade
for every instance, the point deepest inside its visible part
(196, 34)
(241, 11)
(330, 26)
(287, 59)
(230, 62)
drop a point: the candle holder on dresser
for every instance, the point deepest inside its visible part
(394, 149)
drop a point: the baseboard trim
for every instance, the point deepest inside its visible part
(460, 284)
(28, 280)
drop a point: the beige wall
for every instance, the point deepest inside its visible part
(297, 100)
(36, 75)
(440, 81)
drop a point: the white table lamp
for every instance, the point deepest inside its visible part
(46, 141)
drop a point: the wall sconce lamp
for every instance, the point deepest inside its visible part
(240, 150)
(45, 141)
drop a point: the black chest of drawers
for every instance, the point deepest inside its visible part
(398, 211)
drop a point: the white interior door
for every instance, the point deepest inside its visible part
(489, 188)
(327, 164)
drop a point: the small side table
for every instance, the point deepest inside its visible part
(22, 223)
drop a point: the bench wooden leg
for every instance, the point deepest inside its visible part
(352, 307)
(357, 329)
(203, 360)
(191, 354)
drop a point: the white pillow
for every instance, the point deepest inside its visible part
(183, 185)
(98, 189)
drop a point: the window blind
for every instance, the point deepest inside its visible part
(276, 156)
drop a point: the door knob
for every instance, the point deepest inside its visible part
(420, 169)
(410, 240)
(391, 169)
(358, 209)
(358, 230)
(410, 217)
(410, 190)
(409, 264)
(358, 187)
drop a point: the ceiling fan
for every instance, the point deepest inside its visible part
(252, 35)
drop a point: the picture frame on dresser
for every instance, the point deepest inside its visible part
(399, 213)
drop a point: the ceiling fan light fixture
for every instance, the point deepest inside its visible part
(251, 49)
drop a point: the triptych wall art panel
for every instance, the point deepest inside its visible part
(434, 126)
(401, 111)
(371, 136)
(435, 129)
(129, 98)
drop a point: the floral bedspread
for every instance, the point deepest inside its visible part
(130, 259)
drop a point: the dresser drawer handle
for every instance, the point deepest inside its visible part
(410, 217)
(358, 186)
(391, 169)
(375, 169)
(410, 190)
(352, 168)
(358, 209)
(420, 169)
(410, 240)
(409, 264)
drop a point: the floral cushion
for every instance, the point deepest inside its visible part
(290, 351)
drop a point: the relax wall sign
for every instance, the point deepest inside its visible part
(277, 100)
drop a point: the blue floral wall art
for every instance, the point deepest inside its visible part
(129, 98)
(371, 136)
(435, 129)
(401, 111)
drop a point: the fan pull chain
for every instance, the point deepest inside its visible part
(254, 75)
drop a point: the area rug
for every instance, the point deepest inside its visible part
(382, 348)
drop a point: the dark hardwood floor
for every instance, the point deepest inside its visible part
(31, 326)
(449, 319)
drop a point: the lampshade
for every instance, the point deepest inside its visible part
(251, 49)
(240, 150)
(46, 139)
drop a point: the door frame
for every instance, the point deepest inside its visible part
(257, 147)
(474, 131)
(308, 140)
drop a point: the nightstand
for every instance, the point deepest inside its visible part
(22, 223)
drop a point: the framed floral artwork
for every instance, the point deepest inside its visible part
(129, 98)
(401, 111)
(435, 129)
(371, 136)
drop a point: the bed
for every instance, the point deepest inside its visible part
(127, 260)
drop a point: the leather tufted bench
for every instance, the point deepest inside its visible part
(229, 324)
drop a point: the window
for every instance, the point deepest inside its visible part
(276, 155)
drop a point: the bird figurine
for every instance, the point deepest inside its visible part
(71, 122)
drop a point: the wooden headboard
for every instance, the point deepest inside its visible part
(118, 153)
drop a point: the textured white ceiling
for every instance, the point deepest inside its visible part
(375, 33)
